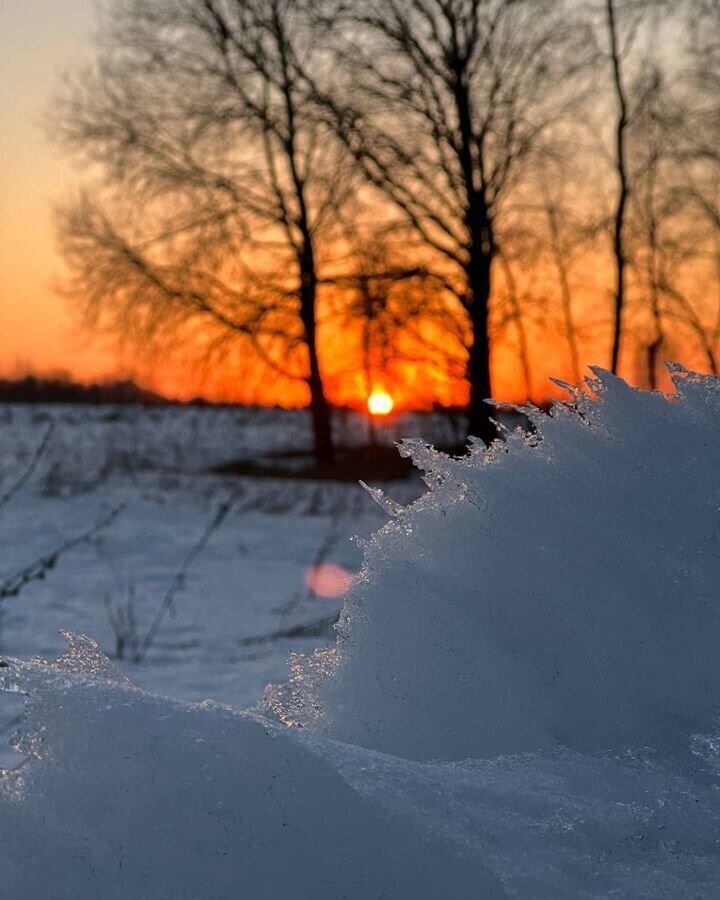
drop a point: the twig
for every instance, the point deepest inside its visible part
(38, 569)
(32, 465)
(179, 580)
(308, 629)
(123, 623)
(20, 765)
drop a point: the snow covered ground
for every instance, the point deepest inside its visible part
(254, 578)
(522, 702)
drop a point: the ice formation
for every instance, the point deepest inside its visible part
(560, 590)
(522, 702)
(130, 796)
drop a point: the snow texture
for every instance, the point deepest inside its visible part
(560, 590)
(522, 702)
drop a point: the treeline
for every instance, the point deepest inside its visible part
(455, 197)
(35, 389)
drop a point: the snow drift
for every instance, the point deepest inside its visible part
(132, 796)
(522, 702)
(561, 589)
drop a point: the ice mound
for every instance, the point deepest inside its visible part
(559, 590)
(127, 795)
(522, 704)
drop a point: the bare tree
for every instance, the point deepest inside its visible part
(516, 317)
(399, 319)
(450, 104)
(370, 286)
(219, 187)
(371, 305)
(617, 52)
(623, 22)
(665, 242)
(700, 142)
(651, 210)
(702, 96)
(563, 239)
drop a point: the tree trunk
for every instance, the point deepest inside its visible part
(623, 186)
(523, 351)
(478, 271)
(322, 427)
(367, 360)
(565, 293)
(479, 281)
(322, 430)
(652, 353)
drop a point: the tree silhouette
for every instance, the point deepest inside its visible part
(444, 107)
(219, 187)
(668, 231)
(617, 53)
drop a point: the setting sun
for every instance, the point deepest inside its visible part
(380, 403)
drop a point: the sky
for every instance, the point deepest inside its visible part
(39, 39)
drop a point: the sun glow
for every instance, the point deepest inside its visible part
(380, 403)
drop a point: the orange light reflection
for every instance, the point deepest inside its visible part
(328, 580)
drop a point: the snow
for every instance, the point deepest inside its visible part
(522, 702)
(250, 581)
(562, 590)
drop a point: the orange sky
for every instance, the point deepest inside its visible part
(38, 39)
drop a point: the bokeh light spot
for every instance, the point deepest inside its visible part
(328, 580)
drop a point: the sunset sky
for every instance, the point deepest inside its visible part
(42, 39)
(39, 39)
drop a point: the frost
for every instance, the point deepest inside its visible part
(85, 657)
(295, 703)
(390, 507)
(558, 591)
